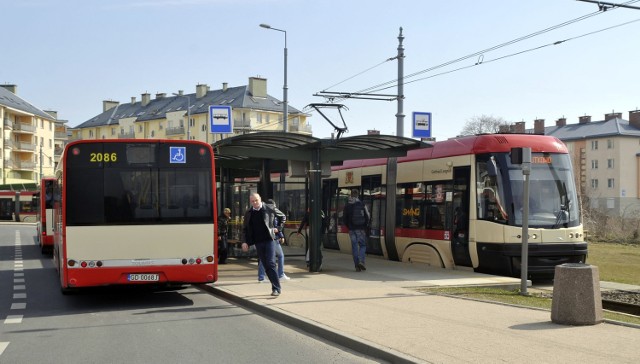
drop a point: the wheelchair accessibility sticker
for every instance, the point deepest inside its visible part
(177, 155)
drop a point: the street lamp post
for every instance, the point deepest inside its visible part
(285, 107)
(188, 113)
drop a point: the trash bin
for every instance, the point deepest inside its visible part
(576, 295)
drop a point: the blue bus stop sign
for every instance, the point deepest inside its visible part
(220, 120)
(421, 124)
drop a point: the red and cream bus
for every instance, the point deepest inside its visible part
(135, 212)
(45, 214)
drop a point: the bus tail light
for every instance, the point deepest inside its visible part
(83, 264)
(71, 263)
(198, 260)
(210, 258)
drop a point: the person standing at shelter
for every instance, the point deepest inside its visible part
(279, 252)
(223, 234)
(259, 230)
(357, 217)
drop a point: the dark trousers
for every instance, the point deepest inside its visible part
(267, 254)
(223, 250)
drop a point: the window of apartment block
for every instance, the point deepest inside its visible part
(259, 118)
(594, 183)
(160, 126)
(594, 145)
(609, 163)
(611, 203)
(594, 164)
(192, 122)
(50, 143)
(42, 141)
(41, 124)
(609, 143)
(140, 128)
(113, 131)
(50, 126)
(268, 118)
(611, 183)
(203, 128)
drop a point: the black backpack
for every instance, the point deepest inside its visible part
(358, 215)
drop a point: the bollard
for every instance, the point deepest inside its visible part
(576, 295)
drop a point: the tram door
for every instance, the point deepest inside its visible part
(460, 219)
(374, 197)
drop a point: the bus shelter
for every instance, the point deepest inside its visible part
(262, 153)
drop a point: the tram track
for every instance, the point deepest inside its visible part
(627, 302)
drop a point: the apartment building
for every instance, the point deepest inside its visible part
(165, 116)
(29, 140)
(606, 159)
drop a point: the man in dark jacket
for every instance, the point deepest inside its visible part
(259, 230)
(357, 228)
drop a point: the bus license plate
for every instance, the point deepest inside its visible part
(144, 277)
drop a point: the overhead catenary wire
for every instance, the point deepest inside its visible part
(382, 86)
(482, 61)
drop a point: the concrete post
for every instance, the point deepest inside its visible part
(576, 295)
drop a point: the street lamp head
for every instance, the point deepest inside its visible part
(267, 26)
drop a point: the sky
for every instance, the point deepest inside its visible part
(70, 55)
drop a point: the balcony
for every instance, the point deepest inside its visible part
(178, 130)
(60, 135)
(26, 128)
(7, 123)
(30, 147)
(19, 165)
(8, 144)
(129, 135)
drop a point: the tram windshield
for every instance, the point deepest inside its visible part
(553, 200)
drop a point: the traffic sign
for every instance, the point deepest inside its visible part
(220, 120)
(421, 124)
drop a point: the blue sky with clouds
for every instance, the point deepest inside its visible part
(71, 55)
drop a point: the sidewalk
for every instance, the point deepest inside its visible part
(377, 312)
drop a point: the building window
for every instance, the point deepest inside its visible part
(192, 122)
(90, 133)
(160, 126)
(594, 183)
(594, 145)
(113, 131)
(203, 128)
(594, 164)
(611, 183)
(609, 143)
(140, 128)
(609, 163)
(259, 118)
(153, 133)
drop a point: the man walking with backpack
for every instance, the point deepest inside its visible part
(356, 217)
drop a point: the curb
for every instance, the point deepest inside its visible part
(315, 328)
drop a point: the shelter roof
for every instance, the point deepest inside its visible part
(248, 151)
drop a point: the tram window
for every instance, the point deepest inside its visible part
(421, 205)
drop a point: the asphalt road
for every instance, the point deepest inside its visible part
(40, 325)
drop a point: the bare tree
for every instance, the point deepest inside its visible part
(483, 124)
